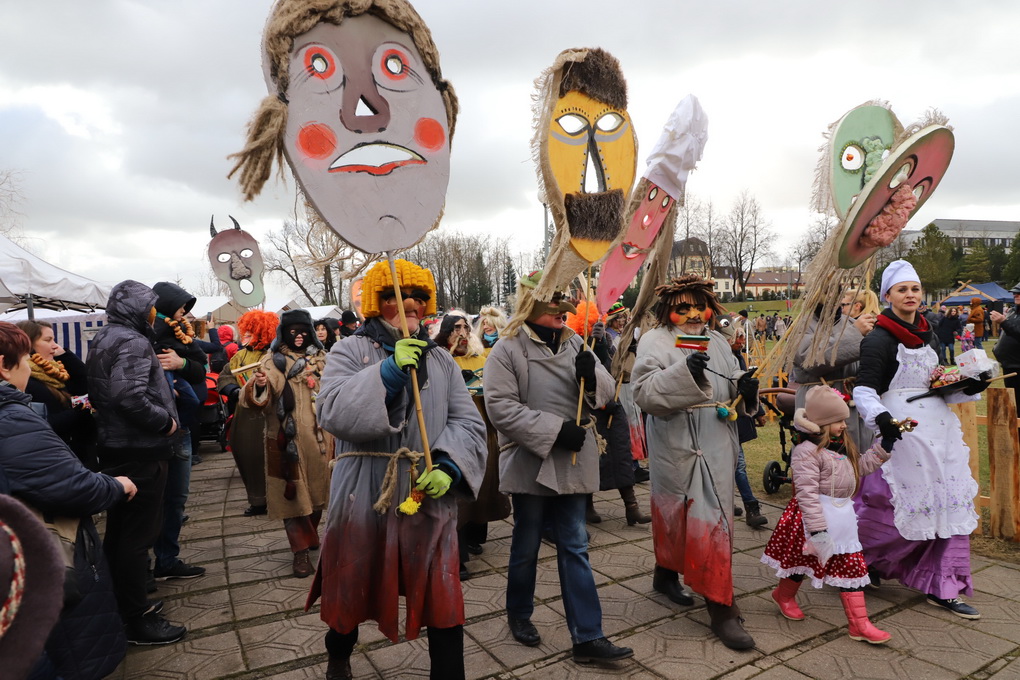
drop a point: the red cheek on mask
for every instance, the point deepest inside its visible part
(707, 314)
(316, 140)
(429, 133)
(675, 318)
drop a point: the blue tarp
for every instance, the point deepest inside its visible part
(988, 292)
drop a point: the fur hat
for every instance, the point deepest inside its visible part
(822, 406)
(31, 586)
(295, 317)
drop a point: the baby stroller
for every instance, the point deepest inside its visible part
(212, 415)
(776, 474)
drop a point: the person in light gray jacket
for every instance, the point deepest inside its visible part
(534, 378)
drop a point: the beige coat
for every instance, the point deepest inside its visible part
(315, 446)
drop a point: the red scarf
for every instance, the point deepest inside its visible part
(909, 339)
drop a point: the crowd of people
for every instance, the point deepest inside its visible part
(387, 447)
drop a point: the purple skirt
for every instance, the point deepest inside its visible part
(939, 567)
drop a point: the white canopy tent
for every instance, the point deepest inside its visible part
(28, 281)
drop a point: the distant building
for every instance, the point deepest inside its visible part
(690, 256)
(966, 233)
(777, 282)
(725, 282)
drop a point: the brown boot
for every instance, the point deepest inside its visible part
(727, 625)
(302, 564)
(590, 516)
(630, 505)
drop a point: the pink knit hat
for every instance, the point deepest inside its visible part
(822, 406)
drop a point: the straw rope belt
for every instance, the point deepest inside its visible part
(389, 486)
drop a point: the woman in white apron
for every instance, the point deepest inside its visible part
(817, 534)
(915, 518)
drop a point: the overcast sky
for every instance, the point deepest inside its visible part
(119, 114)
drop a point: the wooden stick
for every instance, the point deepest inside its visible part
(584, 321)
(414, 371)
(616, 397)
(245, 368)
(1002, 377)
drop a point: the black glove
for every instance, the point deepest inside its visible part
(888, 431)
(584, 367)
(571, 436)
(747, 387)
(467, 375)
(696, 364)
(977, 385)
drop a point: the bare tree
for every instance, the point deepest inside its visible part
(745, 237)
(209, 285)
(689, 216)
(807, 247)
(708, 231)
(312, 257)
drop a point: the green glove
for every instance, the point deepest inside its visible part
(407, 352)
(434, 483)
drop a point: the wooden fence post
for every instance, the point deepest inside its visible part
(1003, 464)
(967, 413)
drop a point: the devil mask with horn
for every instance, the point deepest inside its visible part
(237, 261)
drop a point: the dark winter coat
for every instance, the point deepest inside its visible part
(879, 346)
(947, 330)
(1007, 349)
(169, 298)
(88, 640)
(134, 405)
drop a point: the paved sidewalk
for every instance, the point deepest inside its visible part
(246, 618)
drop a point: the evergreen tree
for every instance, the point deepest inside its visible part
(997, 259)
(932, 257)
(976, 263)
(1011, 272)
(509, 282)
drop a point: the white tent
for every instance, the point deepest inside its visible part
(71, 329)
(29, 281)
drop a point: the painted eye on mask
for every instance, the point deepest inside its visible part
(572, 124)
(321, 68)
(395, 69)
(852, 159)
(610, 122)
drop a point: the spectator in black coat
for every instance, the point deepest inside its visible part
(39, 469)
(136, 419)
(1007, 349)
(183, 360)
(949, 327)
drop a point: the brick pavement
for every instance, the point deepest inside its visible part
(246, 618)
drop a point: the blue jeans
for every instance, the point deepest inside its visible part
(577, 584)
(743, 486)
(178, 481)
(947, 353)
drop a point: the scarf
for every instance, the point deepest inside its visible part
(909, 335)
(53, 375)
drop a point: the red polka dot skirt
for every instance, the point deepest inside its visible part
(785, 553)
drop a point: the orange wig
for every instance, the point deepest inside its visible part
(585, 310)
(261, 325)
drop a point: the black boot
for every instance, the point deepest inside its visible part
(727, 625)
(446, 653)
(754, 517)
(667, 582)
(340, 646)
(590, 516)
(631, 507)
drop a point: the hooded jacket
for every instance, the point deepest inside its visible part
(134, 405)
(169, 298)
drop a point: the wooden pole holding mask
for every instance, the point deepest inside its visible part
(580, 395)
(414, 371)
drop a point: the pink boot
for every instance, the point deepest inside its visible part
(857, 614)
(785, 596)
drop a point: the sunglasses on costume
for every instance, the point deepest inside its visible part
(418, 295)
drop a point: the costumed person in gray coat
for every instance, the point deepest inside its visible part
(693, 446)
(549, 463)
(284, 387)
(837, 364)
(373, 549)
